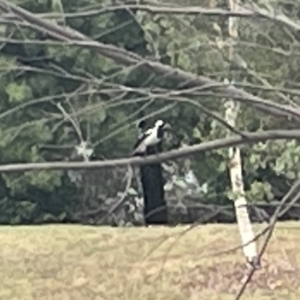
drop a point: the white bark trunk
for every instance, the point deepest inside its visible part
(235, 167)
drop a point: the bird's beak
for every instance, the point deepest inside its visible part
(167, 126)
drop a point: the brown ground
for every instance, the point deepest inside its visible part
(83, 263)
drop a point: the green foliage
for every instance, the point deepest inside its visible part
(18, 92)
(259, 192)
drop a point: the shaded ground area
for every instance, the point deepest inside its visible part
(80, 262)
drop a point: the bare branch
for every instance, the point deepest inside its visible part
(187, 10)
(187, 79)
(72, 121)
(165, 9)
(245, 11)
(122, 199)
(174, 154)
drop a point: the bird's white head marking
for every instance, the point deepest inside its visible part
(159, 123)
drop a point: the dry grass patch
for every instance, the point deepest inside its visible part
(83, 263)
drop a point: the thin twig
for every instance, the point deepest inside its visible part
(127, 58)
(170, 155)
(123, 197)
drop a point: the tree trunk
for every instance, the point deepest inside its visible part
(235, 167)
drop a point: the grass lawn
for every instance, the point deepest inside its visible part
(83, 263)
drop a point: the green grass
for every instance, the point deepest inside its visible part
(83, 263)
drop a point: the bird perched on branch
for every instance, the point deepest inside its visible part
(152, 137)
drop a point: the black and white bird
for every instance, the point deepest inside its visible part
(149, 142)
(150, 138)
